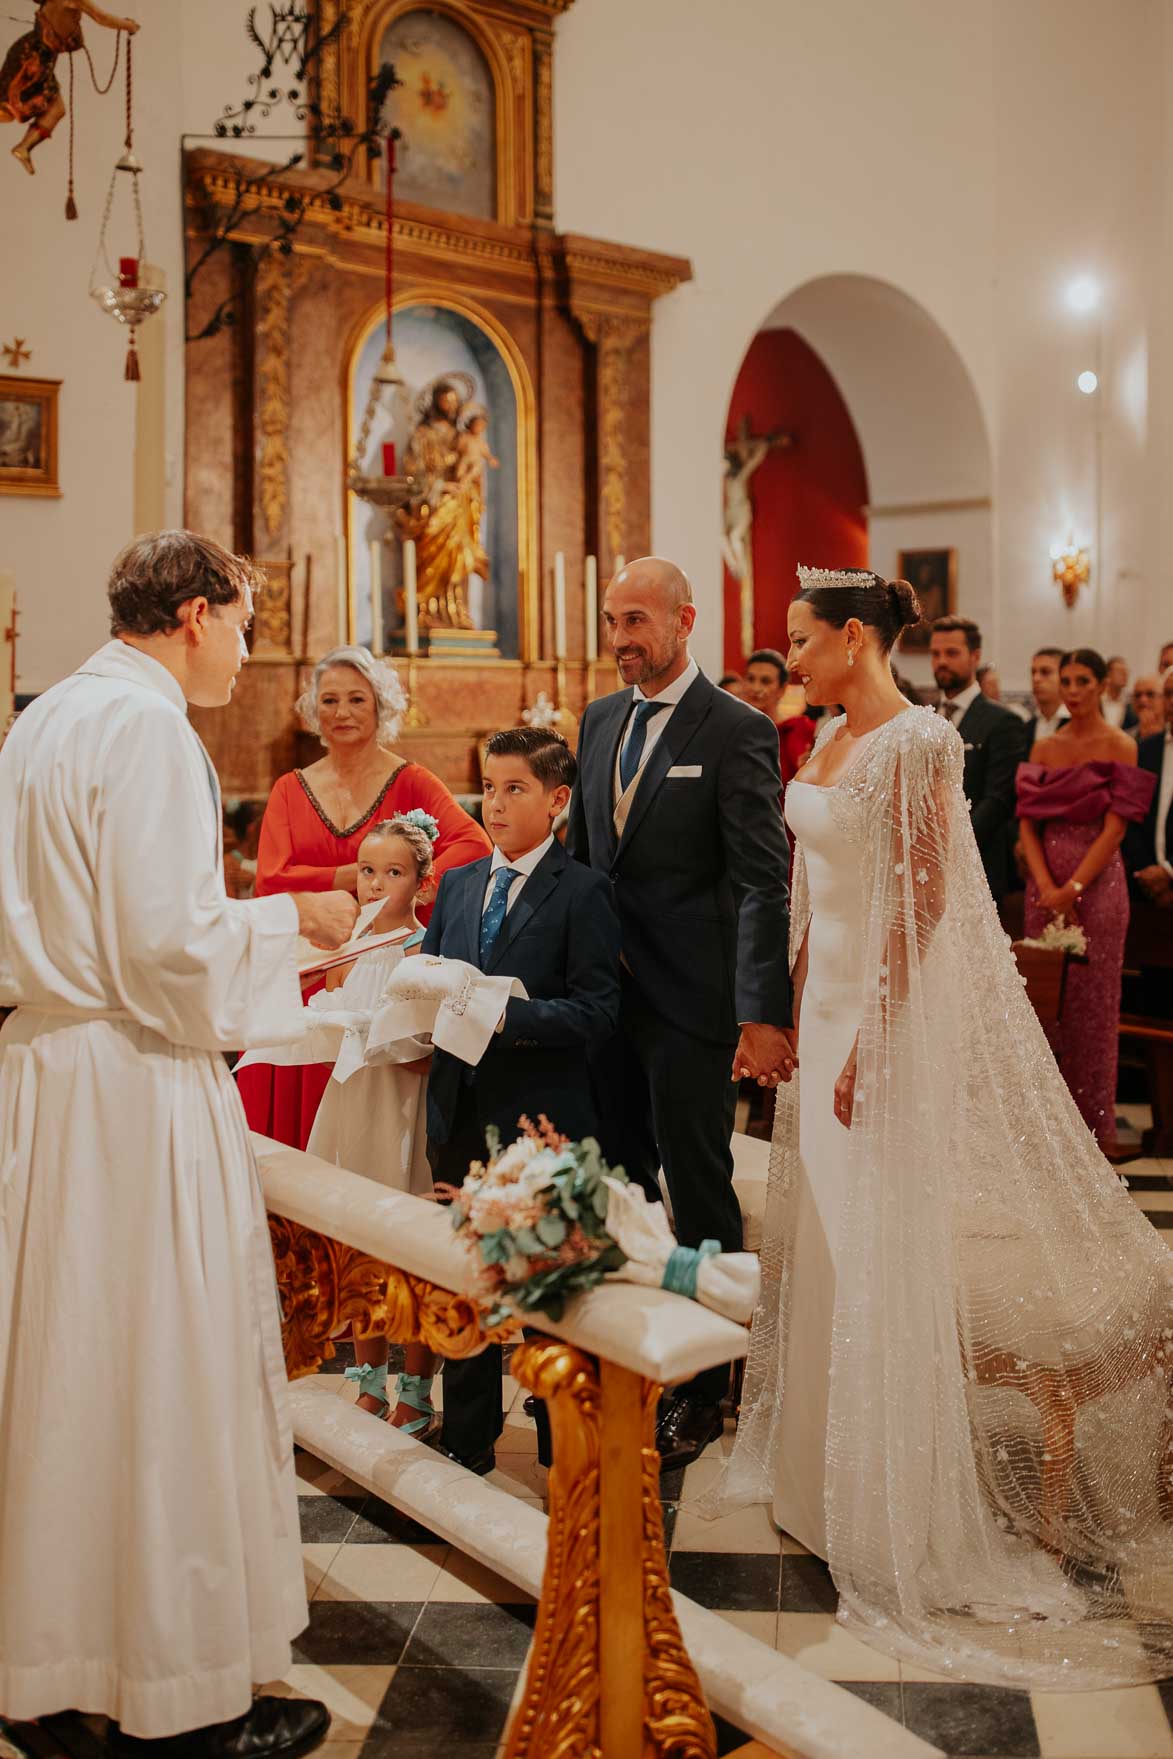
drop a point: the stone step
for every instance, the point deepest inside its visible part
(795, 1713)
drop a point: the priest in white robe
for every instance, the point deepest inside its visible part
(150, 1566)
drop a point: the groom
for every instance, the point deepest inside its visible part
(677, 800)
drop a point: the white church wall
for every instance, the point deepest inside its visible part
(977, 159)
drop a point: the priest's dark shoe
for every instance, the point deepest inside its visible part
(685, 1431)
(275, 1728)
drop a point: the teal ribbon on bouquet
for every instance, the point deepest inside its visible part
(680, 1272)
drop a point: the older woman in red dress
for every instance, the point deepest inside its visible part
(314, 822)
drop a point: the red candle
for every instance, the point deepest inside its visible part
(388, 458)
(128, 271)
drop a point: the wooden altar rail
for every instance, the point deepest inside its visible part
(609, 1675)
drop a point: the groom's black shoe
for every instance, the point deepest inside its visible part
(685, 1431)
(275, 1728)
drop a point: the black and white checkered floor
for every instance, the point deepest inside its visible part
(417, 1650)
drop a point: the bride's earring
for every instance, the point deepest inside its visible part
(850, 657)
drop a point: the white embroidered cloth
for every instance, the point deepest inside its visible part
(457, 1005)
(728, 1282)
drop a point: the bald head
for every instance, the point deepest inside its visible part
(649, 614)
(655, 574)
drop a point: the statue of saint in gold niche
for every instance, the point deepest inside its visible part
(447, 455)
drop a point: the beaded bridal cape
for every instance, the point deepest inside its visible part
(999, 1474)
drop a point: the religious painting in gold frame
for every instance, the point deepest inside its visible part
(932, 574)
(445, 341)
(507, 52)
(28, 436)
(445, 110)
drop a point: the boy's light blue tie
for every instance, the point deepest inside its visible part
(494, 914)
(632, 754)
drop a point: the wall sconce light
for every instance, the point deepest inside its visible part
(1071, 568)
(1088, 383)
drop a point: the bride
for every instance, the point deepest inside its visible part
(958, 1389)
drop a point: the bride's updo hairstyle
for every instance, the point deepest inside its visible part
(835, 596)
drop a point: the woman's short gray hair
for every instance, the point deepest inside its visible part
(390, 696)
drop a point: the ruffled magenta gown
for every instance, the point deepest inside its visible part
(1069, 805)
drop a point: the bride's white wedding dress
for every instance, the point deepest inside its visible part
(959, 1381)
(832, 1003)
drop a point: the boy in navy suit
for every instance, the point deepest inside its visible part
(529, 912)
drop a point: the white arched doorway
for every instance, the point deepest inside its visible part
(920, 426)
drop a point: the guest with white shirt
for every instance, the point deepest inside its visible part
(677, 804)
(993, 737)
(1114, 704)
(529, 912)
(1050, 709)
(1148, 848)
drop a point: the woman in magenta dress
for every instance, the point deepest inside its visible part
(1075, 798)
(313, 824)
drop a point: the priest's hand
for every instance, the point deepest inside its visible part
(765, 1054)
(326, 919)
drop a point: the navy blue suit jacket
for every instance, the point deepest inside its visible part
(1140, 840)
(702, 870)
(561, 938)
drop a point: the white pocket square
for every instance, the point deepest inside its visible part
(685, 769)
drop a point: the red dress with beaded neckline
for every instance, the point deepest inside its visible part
(300, 851)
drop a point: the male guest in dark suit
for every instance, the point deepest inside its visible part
(677, 802)
(1148, 846)
(994, 740)
(530, 912)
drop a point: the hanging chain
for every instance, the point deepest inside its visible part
(129, 91)
(103, 89)
(70, 202)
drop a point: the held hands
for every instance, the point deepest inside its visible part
(326, 919)
(845, 1090)
(765, 1054)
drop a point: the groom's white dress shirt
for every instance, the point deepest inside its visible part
(670, 695)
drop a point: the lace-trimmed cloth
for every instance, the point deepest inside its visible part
(999, 1476)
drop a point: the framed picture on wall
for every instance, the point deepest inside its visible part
(28, 436)
(932, 574)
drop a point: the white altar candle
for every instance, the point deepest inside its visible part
(619, 565)
(376, 598)
(411, 604)
(343, 591)
(592, 608)
(559, 606)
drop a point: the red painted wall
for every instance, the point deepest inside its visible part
(808, 501)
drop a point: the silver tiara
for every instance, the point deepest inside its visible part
(820, 577)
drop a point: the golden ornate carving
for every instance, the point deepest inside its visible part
(612, 338)
(272, 612)
(544, 125)
(677, 1719)
(559, 1715)
(324, 1285)
(273, 295)
(516, 47)
(328, 61)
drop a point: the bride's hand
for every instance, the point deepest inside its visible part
(845, 1092)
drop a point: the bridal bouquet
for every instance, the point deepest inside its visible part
(547, 1218)
(534, 1217)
